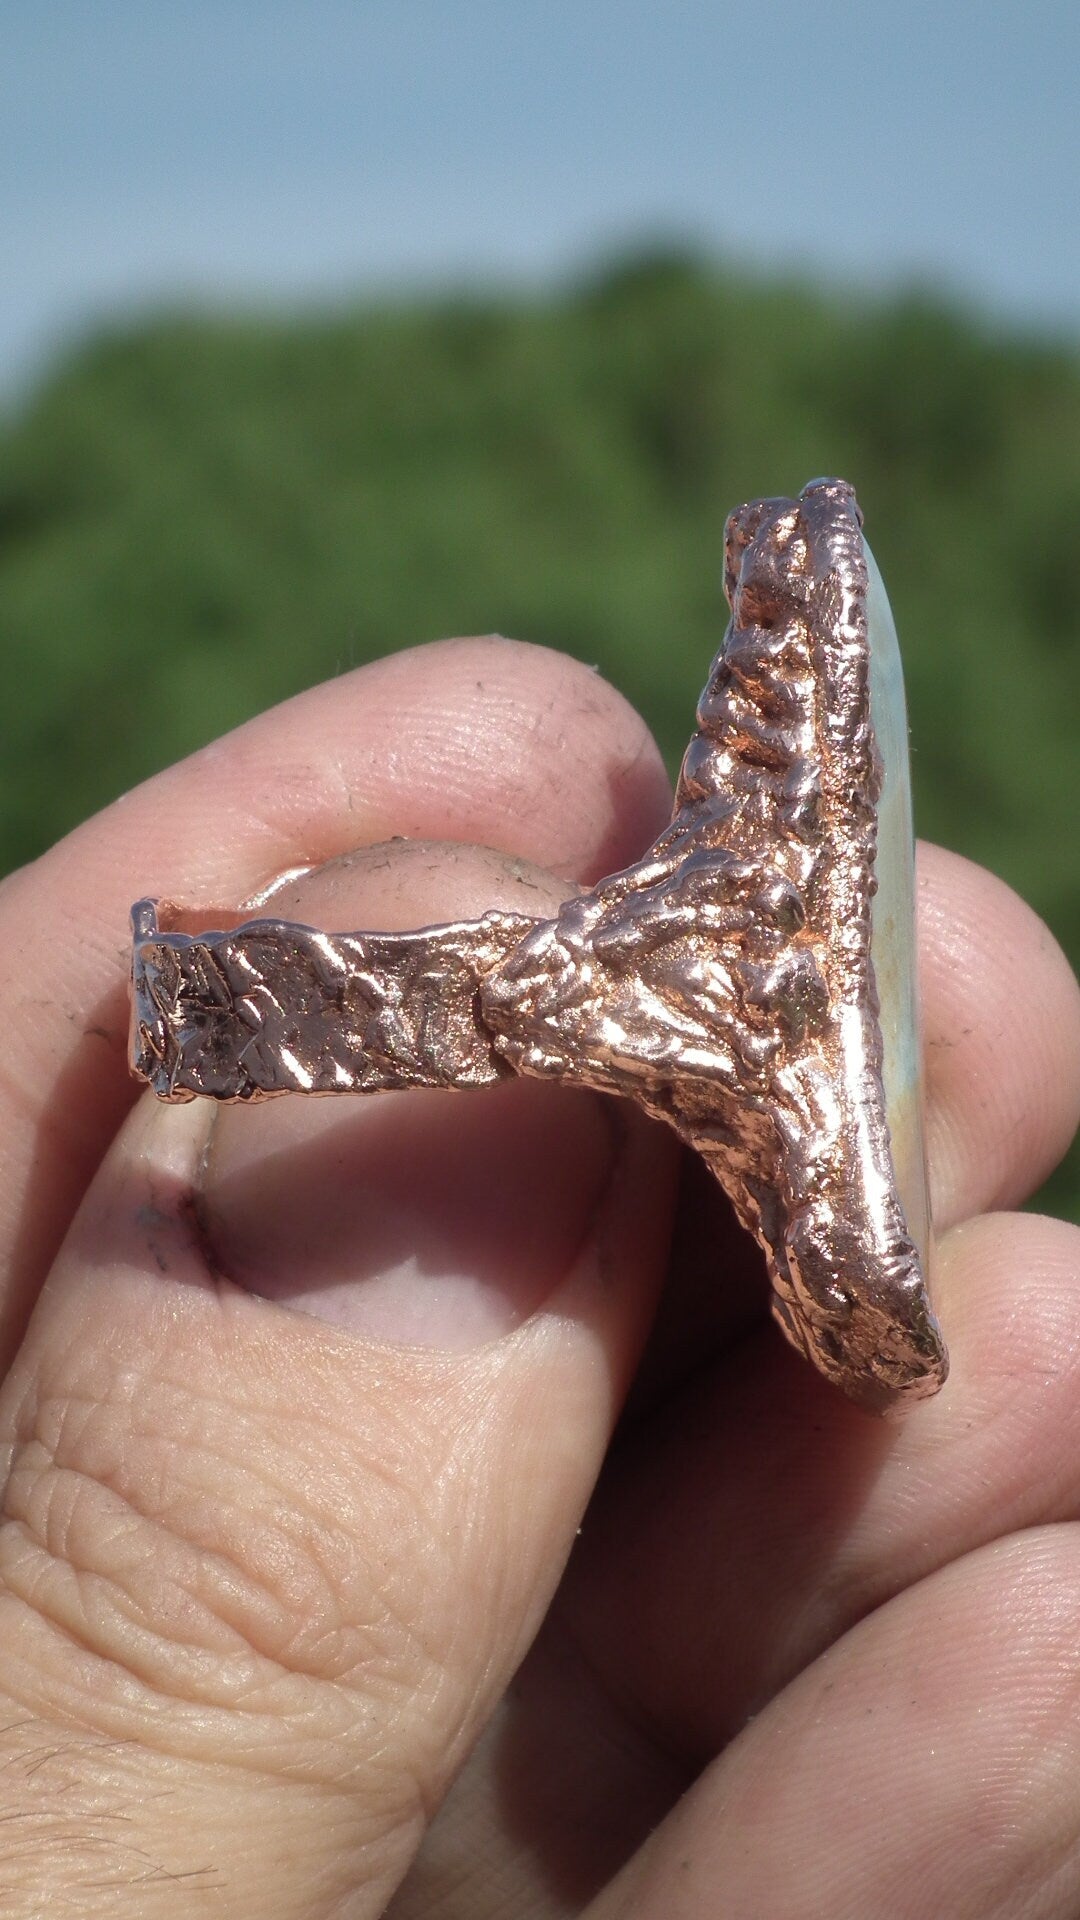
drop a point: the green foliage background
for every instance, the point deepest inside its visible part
(199, 516)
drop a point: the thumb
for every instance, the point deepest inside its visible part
(296, 1446)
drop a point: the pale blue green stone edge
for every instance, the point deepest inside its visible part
(892, 939)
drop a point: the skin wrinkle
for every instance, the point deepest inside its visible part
(273, 1740)
(179, 1437)
(104, 1612)
(92, 1787)
(207, 1564)
(279, 1555)
(299, 1606)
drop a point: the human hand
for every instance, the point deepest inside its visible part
(268, 1579)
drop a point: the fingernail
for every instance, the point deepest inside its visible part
(432, 1219)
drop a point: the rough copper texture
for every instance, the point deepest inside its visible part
(275, 1008)
(724, 982)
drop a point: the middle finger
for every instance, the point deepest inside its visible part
(744, 1528)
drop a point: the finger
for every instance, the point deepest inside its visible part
(486, 740)
(757, 1521)
(928, 1765)
(1001, 1015)
(271, 1568)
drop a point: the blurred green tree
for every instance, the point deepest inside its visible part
(199, 516)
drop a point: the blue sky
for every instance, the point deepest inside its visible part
(253, 149)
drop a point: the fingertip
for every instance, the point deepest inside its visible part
(1001, 1026)
(479, 739)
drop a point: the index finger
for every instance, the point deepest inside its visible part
(488, 740)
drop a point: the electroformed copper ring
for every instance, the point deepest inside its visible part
(750, 981)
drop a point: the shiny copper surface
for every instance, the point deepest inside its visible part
(724, 982)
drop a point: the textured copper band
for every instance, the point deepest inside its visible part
(725, 982)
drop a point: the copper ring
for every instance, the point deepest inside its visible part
(726, 982)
